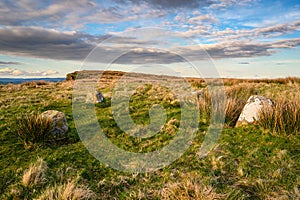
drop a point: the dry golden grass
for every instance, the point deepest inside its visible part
(283, 117)
(259, 189)
(236, 97)
(68, 191)
(35, 174)
(33, 129)
(189, 187)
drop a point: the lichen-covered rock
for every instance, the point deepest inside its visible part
(250, 112)
(60, 124)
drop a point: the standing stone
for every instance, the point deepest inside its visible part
(60, 124)
(252, 109)
(97, 97)
(198, 94)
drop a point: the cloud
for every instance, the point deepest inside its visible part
(176, 4)
(78, 13)
(16, 72)
(278, 29)
(236, 49)
(49, 43)
(33, 11)
(194, 32)
(253, 34)
(169, 4)
(227, 3)
(202, 18)
(52, 44)
(244, 63)
(44, 43)
(9, 63)
(70, 14)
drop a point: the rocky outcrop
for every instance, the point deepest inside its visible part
(60, 124)
(71, 76)
(252, 109)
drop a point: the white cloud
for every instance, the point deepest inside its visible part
(17, 72)
(202, 18)
(228, 3)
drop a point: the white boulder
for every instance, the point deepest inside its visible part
(252, 109)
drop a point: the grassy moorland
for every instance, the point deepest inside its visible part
(260, 161)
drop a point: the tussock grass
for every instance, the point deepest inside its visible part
(231, 81)
(33, 129)
(189, 187)
(236, 98)
(68, 191)
(283, 117)
(259, 189)
(35, 174)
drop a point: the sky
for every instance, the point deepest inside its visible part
(226, 38)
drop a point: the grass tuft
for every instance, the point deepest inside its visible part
(68, 191)
(282, 118)
(35, 174)
(189, 188)
(33, 129)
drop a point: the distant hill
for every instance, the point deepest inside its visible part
(22, 80)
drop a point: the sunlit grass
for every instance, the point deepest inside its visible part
(253, 162)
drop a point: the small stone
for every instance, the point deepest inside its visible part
(250, 112)
(60, 124)
(199, 94)
(97, 97)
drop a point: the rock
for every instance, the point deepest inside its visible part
(250, 112)
(60, 124)
(99, 97)
(199, 94)
(94, 98)
(71, 76)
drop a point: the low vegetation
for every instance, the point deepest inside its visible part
(35, 174)
(66, 191)
(259, 161)
(283, 117)
(33, 129)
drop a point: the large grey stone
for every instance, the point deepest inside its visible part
(252, 109)
(60, 124)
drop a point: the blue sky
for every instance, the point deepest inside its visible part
(240, 38)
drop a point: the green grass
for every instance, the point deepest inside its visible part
(248, 163)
